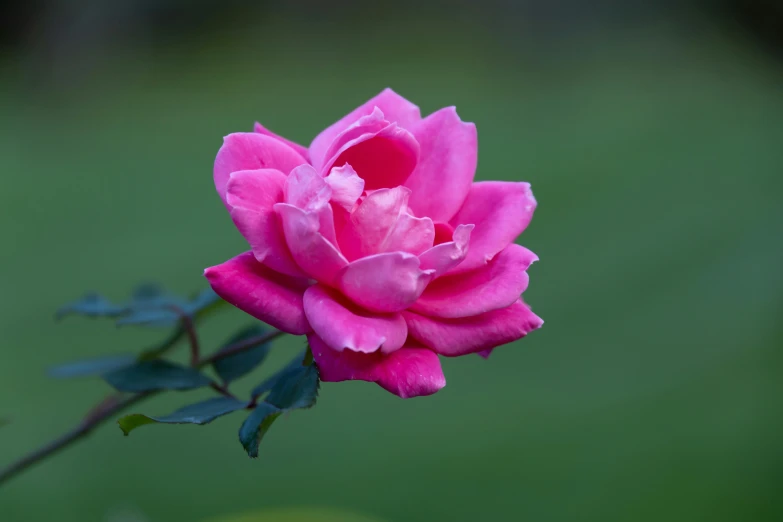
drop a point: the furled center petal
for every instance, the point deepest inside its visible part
(382, 223)
(382, 153)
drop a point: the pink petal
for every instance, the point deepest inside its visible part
(307, 190)
(408, 372)
(447, 164)
(371, 223)
(343, 325)
(347, 187)
(251, 151)
(302, 151)
(384, 282)
(495, 285)
(501, 211)
(453, 337)
(251, 194)
(261, 292)
(445, 256)
(410, 234)
(369, 125)
(314, 254)
(382, 158)
(394, 107)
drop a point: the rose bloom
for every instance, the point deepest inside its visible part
(375, 242)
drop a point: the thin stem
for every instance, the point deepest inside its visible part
(84, 428)
(190, 329)
(239, 347)
(114, 404)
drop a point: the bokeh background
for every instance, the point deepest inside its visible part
(652, 133)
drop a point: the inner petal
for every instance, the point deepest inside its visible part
(384, 160)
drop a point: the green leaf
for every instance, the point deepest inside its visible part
(92, 367)
(256, 425)
(151, 305)
(199, 413)
(156, 375)
(297, 388)
(4, 422)
(239, 365)
(271, 381)
(293, 387)
(92, 305)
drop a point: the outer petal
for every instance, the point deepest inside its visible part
(409, 372)
(445, 256)
(343, 325)
(261, 292)
(493, 286)
(394, 107)
(501, 211)
(447, 164)
(384, 282)
(314, 254)
(251, 194)
(252, 151)
(453, 337)
(302, 151)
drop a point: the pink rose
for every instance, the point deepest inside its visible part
(376, 243)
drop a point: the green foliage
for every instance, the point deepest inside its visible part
(94, 367)
(256, 425)
(272, 380)
(92, 305)
(149, 305)
(238, 365)
(200, 413)
(297, 388)
(156, 375)
(294, 387)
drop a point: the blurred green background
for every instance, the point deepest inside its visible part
(653, 139)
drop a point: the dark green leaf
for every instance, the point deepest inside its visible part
(297, 388)
(4, 422)
(151, 305)
(156, 375)
(270, 382)
(236, 366)
(199, 413)
(92, 305)
(150, 317)
(255, 427)
(93, 367)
